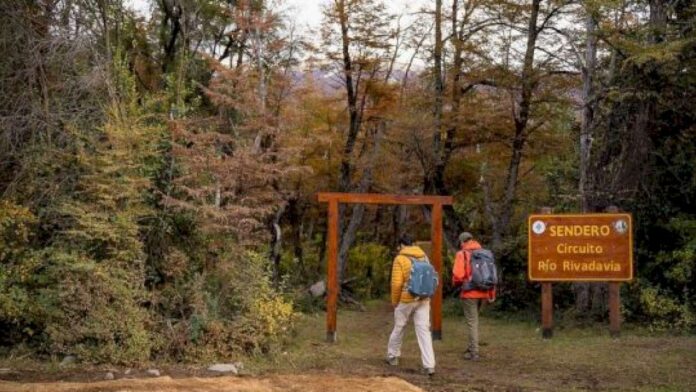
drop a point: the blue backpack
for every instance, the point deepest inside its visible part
(423, 280)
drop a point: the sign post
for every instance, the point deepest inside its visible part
(614, 298)
(546, 310)
(546, 300)
(614, 310)
(580, 247)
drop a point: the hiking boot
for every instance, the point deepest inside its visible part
(392, 361)
(471, 356)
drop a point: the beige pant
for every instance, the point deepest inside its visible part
(421, 320)
(471, 317)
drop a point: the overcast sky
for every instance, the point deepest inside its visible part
(307, 13)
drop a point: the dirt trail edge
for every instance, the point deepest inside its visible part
(314, 383)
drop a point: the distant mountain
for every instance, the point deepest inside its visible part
(331, 82)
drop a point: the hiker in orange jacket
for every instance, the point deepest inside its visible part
(472, 299)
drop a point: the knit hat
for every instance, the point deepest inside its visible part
(465, 236)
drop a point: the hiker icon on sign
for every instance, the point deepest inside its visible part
(621, 226)
(538, 227)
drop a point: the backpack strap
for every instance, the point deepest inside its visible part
(469, 255)
(412, 260)
(407, 281)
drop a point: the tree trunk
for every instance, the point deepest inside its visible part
(434, 178)
(399, 215)
(348, 237)
(172, 17)
(346, 171)
(439, 92)
(344, 184)
(582, 289)
(322, 243)
(457, 63)
(658, 20)
(528, 84)
(276, 244)
(588, 71)
(376, 224)
(294, 215)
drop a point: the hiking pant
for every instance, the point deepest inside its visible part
(471, 318)
(421, 320)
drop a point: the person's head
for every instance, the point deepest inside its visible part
(405, 240)
(465, 237)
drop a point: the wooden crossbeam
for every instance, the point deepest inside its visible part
(379, 198)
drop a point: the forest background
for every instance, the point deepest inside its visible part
(158, 172)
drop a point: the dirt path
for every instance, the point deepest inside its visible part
(224, 384)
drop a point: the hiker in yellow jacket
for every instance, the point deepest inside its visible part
(406, 305)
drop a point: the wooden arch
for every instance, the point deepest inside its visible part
(333, 199)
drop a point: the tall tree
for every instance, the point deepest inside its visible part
(582, 290)
(362, 58)
(644, 123)
(528, 80)
(467, 19)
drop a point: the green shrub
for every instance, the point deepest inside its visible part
(227, 310)
(665, 313)
(16, 229)
(370, 265)
(664, 294)
(90, 309)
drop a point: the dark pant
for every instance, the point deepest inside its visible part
(471, 317)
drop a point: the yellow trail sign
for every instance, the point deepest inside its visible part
(580, 247)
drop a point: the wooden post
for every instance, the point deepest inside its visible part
(546, 301)
(614, 298)
(436, 310)
(332, 272)
(614, 310)
(546, 310)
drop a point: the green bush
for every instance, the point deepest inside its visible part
(664, 294)
(230, 309)
(66, 302)
(16, 229)
(91, 309)
(666, 313)
(370, 265)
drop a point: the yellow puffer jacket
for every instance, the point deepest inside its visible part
(401, 272)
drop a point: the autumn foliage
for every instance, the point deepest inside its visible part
(158, 173)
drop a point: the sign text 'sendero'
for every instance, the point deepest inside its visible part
(587, 247)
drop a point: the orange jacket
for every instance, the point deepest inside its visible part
(461, 272)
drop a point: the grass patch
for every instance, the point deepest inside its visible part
(514, 356)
